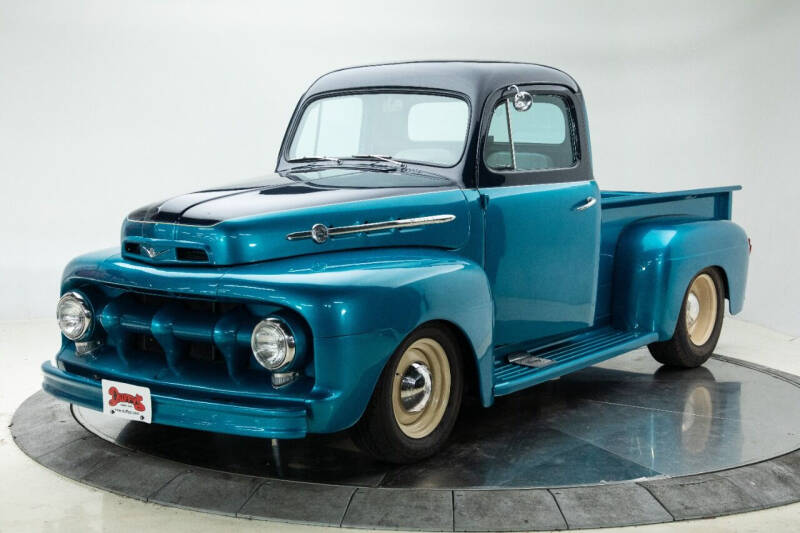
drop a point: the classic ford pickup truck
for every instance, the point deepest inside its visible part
(432, 229)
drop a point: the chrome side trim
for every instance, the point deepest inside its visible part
(372, 226)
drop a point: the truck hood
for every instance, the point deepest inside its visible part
(251, 221)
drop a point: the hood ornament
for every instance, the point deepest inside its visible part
(320, 232)
(152, 253)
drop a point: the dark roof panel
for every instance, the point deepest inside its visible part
(473, 78)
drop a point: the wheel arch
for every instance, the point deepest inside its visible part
(472, 373)
(726, 288)
(478, 376)
(655, 261)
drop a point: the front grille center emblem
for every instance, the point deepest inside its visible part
(152, 253)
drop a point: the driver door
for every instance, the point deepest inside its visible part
(542, 217)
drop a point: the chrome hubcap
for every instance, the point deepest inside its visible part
(415, 388)
(692, 309)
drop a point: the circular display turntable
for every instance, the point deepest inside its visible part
(621, 443)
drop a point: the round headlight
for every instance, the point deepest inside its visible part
(74, 316)
(272, 343)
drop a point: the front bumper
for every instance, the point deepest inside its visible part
(285, 422)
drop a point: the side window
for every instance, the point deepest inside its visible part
(541, 138)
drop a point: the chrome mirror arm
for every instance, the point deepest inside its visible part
(511, 135)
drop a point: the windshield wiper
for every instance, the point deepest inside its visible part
(374, 157)
(399, 165)
(314, 158)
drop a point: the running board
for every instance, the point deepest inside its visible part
(523, 369)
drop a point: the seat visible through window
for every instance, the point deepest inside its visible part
(542, 136)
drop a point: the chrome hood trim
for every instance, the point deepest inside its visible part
(319, 233)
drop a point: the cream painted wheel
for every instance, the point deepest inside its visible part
(701, 309)
(698, 323)
(421, 388)
(417, 398)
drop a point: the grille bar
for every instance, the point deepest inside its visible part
(178, 326)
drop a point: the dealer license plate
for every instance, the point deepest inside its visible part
(127, 401)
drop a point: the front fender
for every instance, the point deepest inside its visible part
(377, 297)
(657, 258)
(359, 305)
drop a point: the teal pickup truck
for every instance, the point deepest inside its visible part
(432, 229)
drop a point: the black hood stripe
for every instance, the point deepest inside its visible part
(277, 192)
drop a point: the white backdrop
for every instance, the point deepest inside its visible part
(108, 105)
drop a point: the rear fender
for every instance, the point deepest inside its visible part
(656, 259)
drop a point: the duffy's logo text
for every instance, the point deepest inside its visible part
(117, 397)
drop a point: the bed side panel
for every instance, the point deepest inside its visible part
(623, 209)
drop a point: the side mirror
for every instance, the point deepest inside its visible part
(522, 99)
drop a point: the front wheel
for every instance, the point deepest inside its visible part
(699, 324)
(416, 401)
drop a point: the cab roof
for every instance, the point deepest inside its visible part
(476, 79)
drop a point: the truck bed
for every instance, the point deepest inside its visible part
(621, 208)
(612, 199)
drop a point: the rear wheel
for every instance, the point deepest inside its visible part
(416, 401)
(699, 323)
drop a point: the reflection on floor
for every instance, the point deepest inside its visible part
(628, 418)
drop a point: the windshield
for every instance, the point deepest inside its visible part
(411, 127)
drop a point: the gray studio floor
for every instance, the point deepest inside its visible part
(35, 499)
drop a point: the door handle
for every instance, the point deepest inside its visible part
(590, 201)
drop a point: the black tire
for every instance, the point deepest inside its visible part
(680, 351)
(378, 432)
